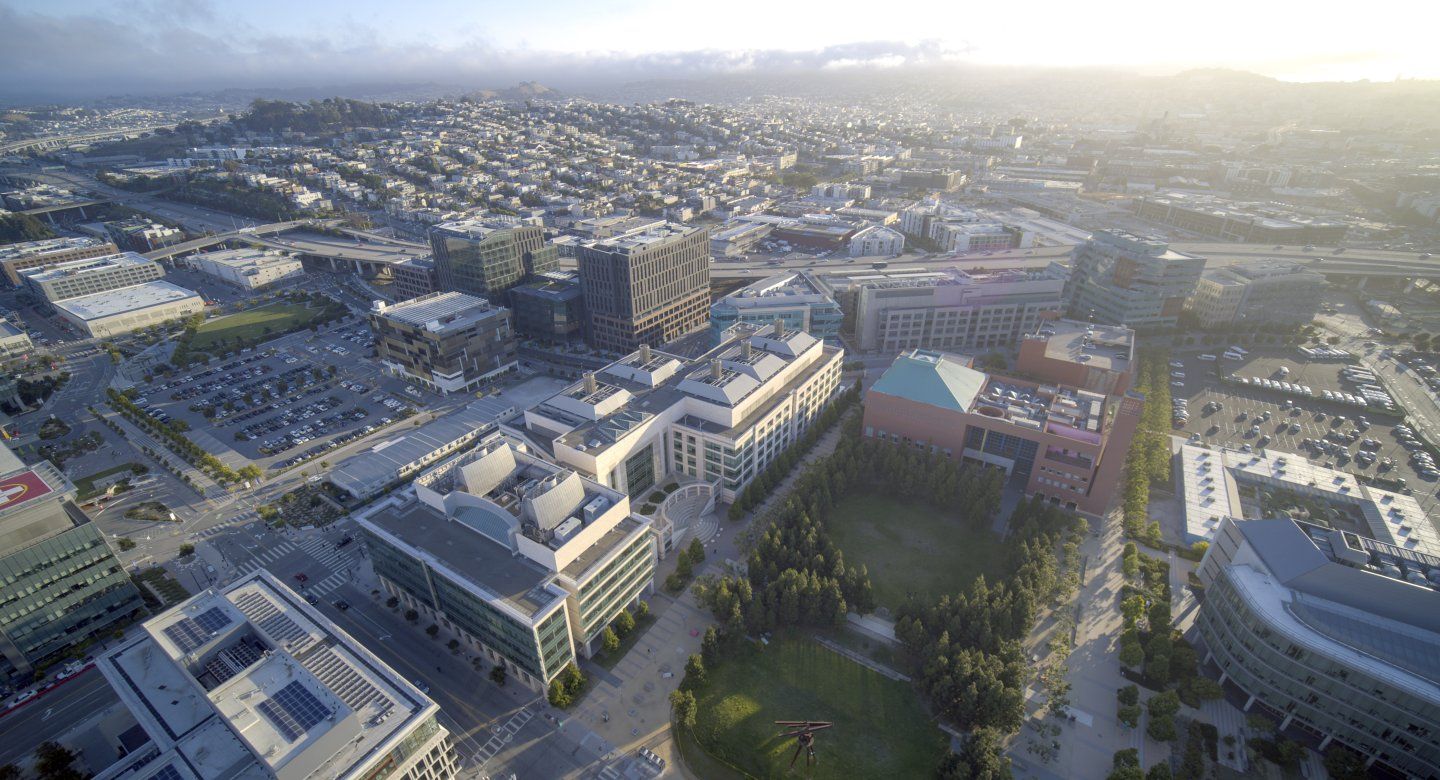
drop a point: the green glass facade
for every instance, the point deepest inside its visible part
(488, 264)
(616, 585)
(640, 471)
(57, 593)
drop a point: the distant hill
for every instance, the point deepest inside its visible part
(525, 90)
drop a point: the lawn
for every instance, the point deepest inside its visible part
(250, 325)
(86, 484)
(881, 729)
(912, 548)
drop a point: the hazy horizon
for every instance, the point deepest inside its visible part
(87, 48)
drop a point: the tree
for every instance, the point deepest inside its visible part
(497, 675)
(1161, 728)
(694, 671)
(186, 549)
(125, 543)
(411, 615)
(642, 610)
(1343, 764)
(557, 695)
(609, 642)
(1131, 653)
(54, 762)
(684, 706)
(624, 623)
(981, 758)
(11, 772)
(392, 602)
(433, 631)
(710, 645)
(696, 552)
(1159, 771)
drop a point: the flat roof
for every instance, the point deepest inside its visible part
(72, 268)
(247, 258)
(440, 311)
(468, 555)
(381, 464)
(1091, 344)
(125, 299)
(44, 245)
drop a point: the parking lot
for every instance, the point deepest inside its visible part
(296, 399)
(1329, 433)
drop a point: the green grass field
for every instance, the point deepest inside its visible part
(912, 548)
(880, 729)
(278, 317)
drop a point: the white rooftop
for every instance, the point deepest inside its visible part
(126, 299)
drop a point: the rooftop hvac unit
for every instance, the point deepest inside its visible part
(593, 509)
(567, 529)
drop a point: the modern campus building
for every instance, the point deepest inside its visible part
(61, 586)
(1220, 483)
(796, 299)
(15, 258)
(90, 276)
(1275, 292)
(979, 236)
(647, 287)
(946, 309)
(720, 418)
(1334, 635)
(117, 312)
(449, 342)
(735, 238)
(14, 340)
(1100, 358)
(1247, 222)
(414, 277)
(551, 308)
(1124, 279)
(526, 561)
(387, 464)
(877, 241)
(249, 269)
(487, 257)
(249, 681)
(1062, 443)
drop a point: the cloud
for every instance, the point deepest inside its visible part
(160, 47)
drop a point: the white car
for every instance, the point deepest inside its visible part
(1176, 364)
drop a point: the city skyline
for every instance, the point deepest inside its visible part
(89, 47)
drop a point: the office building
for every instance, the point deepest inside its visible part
(139, 234)
(92, 275)
(649, 287)
(399, 458)
(978, 236)
(447, 341)
(14, 341)
(734, 239)
(797, 299)
(1333, 635)
(932, 179)
(414, 277)
(15, 258)
(1100, 358)
(1263, 293)
(946, 309)
(249, 681)
(1062, 443)
(877, 241)
(720, 418)
(61, 585)
(551, 308)
(1124, 279)
(117, 312)
(526, 561)
(487, 257)
(248, 269)
(1247, 222)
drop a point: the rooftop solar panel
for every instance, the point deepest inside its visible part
(294, 710)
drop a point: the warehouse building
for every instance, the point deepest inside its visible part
(117, 312)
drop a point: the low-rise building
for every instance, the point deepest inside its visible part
(14, 341)
(448, 341)
(1275, 292)
(117, 312)
(551, 308)
(15, 258)
(797, 299)
(251, 681)
(249, 269)
(876, 241)
(91, 275)
(978, 236)
(1244, 221)
(946, 309)
(527, 561)
(734, 239)
(1064, 444)
(60, 583)
(1334, 635)
(720, 418)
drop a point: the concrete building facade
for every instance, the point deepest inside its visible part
(128, 309)
(1278, 293)
(449, 342)
(648, 287)
(1120, 278)
(485, 258)
(797, 299)
(248, 269)
(90, 276)
(15, 258)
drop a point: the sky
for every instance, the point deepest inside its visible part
(107, 46)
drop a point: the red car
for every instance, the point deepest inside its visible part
(301, 578)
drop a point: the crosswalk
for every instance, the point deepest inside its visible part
(240, 519)
(338, 562)
(265, 558)
(503, 735)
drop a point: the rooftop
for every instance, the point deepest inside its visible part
(250, 680)
(89, 265)
(793, 288)
(381, 464)
(439, 311)
(247, 258)
(27, 248)
(934, 378)
(639, 239)
(1101, 346)
(125, 299)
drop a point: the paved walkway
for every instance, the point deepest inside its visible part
(202, 483)
(863, 660)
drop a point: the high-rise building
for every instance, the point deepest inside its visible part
(650, 287)
(447, 341)
(1061, 443)
(527, 560)
(1275, 292)
(1334, 635)
(60, 583)
(250, 681)
(413, 277)
(91, 275)
(550, 308)
(1124, 279)
(487, 257)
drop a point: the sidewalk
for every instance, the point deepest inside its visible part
(201, 483)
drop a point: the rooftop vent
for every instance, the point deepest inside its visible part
(590, 384)
(644, 354)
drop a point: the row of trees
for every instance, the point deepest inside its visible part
(1148, 461)
(235, 198)
(968, 645)
(22, 227)
(765, 483)
(181, 444)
